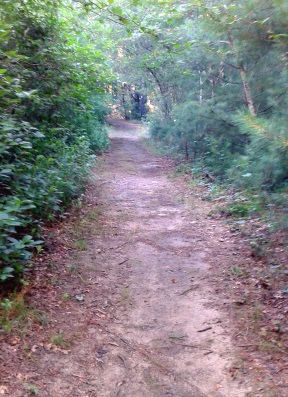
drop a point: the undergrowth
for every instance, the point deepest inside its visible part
(51, 127)
(17, 317)
(242, 206)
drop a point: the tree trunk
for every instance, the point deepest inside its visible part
(200, 88)
(244, 79)
(247, 91)
(186, 150)
(163, 91)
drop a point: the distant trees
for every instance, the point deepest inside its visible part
(133, 102)
(217, 74)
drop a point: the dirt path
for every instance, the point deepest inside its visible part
(139, 316)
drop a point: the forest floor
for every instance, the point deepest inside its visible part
(136, 296)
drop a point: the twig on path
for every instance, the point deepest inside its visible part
(113, 344)
(119, 246)
(204, 329)
(189, 289)
(209, 352)
(83, 380)
(123, 361)
(121, 263)
(100, 362)
(117, 391)
(117, 336)
(91, 322)
(156, 364)
(100, 311)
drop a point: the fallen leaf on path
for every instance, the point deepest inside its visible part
(3, 389)
(34, 348)
(62, 350)
(54, 348)
(173, 280)
(14, 341)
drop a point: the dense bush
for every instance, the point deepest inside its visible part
(51, 124)
(212, 142)
(264, 166)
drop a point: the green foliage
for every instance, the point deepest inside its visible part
(59, 340)
(265, 163)
(217, 76)
(52, 109)
(32, 389)
(16, 316)
(242, 209)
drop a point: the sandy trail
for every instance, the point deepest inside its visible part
(150, 323)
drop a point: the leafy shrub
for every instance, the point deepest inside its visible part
(213, 143)
(51, 125)
(264, 166)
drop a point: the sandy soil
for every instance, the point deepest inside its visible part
(136, 311)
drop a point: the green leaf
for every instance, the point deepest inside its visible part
(10, 53)
(4, 215)
(11, 222)
(26, 94)
(27, 239)
(39, 134)
(3, 33)
(117, 10)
